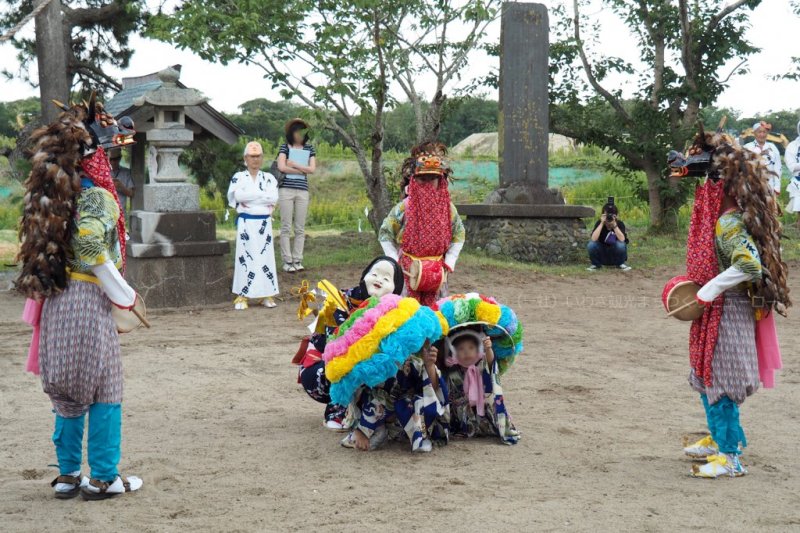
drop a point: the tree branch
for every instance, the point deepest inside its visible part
(93, 72)
(90, 16)
(732, 72)
(610, 98)
(724, 12)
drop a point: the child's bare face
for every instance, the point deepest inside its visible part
(467, 353)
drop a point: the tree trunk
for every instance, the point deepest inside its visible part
(51, 54)
(432, 121)
(375, 182)
(654, 197)
(663, 212)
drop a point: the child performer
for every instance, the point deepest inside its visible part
(476, 402)
(414, 402)
(72, 251)
(382, 276)
(362, 358)
(426, 224)
(733, 251)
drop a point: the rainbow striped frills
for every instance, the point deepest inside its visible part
(502, 324)
(375, 341)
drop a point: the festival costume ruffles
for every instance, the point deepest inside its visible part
(336, 308)
(371, 364)
(477, 402)
(78, 345)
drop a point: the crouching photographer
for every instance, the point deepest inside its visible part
(609, 242)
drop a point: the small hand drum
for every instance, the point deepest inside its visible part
(126, 320)
(678, 292)
(426, 276)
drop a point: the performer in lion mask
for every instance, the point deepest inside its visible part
(72, 250)
(733, 252)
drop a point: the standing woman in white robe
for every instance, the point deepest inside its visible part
(792, 158)
(254, 194)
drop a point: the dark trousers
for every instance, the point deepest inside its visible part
(607, 254)
(318, 387)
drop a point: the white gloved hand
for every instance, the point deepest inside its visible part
(721, 283)
(114, 285)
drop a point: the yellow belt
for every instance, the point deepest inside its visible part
(80, 276)
(430, 258)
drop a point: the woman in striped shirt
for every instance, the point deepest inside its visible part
(296, 159)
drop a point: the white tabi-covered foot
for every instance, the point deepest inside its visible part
(69, 485)
(100, 490)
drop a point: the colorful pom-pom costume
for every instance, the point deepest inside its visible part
(477, 405)
(372, 364)
(335, 310)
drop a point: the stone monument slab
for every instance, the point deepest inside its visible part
(523, 218)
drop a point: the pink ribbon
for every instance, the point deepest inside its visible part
(32, 314)
(769, 352)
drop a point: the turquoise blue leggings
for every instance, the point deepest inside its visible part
(105, 435)
(723, 423)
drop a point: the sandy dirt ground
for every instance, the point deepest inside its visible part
(225, 441)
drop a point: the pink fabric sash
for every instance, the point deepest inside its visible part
(769, 353)
(473, 384)
(32, 314)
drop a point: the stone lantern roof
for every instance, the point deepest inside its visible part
(140, 94)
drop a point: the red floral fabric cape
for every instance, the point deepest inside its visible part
(701, 267)
(428, 228)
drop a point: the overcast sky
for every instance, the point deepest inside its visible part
(775, 29)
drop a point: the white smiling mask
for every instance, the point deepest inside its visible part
(380, 279)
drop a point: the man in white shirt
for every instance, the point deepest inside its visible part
(768, 152)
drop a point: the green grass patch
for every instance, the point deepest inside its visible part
(8, 248)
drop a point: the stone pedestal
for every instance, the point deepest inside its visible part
(180, 280)
(170, 197)
(529, 233)
(175, 259)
